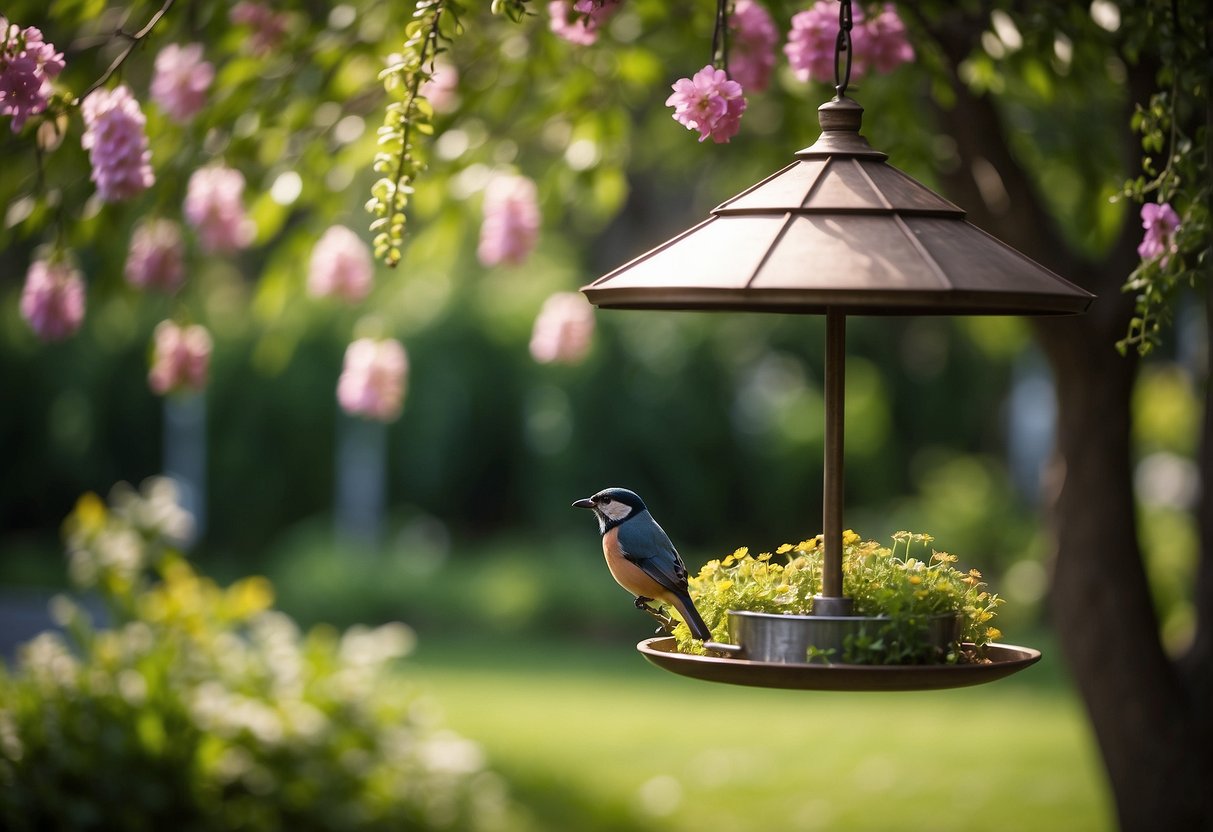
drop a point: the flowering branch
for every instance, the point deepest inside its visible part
(1177, 220)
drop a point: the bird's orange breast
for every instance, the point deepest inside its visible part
(627, 574)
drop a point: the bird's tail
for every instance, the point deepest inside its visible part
(686, 607)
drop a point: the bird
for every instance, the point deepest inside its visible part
(640, 555)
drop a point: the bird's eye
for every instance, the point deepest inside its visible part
(606, 501)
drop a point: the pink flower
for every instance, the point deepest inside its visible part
(1161, 224)
(156, 257)
(181, 358)
(811, 42)
(373, 379)
(881, 41)
(753, 38)
(116, 143)
(182, 80)
(578, 22)
(214, 207)
(27, 65)
(442, 89)
(710, 103)
(340, 265)
(563, 329)
(268, 26)
(511, 221)
(53, 300)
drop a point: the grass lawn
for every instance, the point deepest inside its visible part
(593, 737)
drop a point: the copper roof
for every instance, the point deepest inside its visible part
(838, 228)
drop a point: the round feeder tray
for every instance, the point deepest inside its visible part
(1005, 659)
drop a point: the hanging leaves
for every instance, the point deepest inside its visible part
(400, 159)
(1177, 142)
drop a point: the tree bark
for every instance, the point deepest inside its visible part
(1152, 716)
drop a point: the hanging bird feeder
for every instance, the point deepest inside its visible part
(838, 232)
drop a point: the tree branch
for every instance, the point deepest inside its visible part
(135, 40)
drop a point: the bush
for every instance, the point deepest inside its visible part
(203, 708)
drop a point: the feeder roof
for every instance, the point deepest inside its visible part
(838, 228)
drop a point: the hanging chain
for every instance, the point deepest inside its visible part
(842, 65)
(720, 36)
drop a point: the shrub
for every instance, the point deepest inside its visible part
(200, 707)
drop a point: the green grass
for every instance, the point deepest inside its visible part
(593, 737)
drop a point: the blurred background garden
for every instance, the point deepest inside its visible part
(455, 518)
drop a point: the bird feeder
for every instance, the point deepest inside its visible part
(838, 232)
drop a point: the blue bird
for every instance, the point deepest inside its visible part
(640, 555)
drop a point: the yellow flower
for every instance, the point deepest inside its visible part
(765, 556)
(728, 560)
(993, 633)
(250, 596)
(741, 552)
(784, 549)
(975, 574)
(944, 557)
(915, 580)
(849, 537)
(723, 585)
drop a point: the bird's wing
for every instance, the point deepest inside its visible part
(647, 545)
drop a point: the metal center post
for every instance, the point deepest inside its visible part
(832, 601)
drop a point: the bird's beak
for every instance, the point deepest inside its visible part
(587, 503)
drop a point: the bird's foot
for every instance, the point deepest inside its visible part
(666, 623)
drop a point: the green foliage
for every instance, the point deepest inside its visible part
(398, 158)
(202, 708)
(908, 591)
(1176, 131)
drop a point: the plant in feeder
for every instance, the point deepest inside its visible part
(907, 609)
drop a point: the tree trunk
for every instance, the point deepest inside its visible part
(1152, 716)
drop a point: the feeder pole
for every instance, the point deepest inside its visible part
(831, 600)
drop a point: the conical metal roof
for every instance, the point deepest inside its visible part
(838, 228)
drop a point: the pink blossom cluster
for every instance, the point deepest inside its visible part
(510, 228)
(52, 301)
(812, 39)
(879, 42)
(214, 207)
(341, 266)
(882, 41)
(117, 144)
(181, 81)
(710, 103)
(752, 40)
(181, 358)
(578, 22)
(1161, 223)
(373, 379)
(27, 65)
(156, 258)
(268, 25)
(563, 330)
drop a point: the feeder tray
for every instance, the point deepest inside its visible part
(1004, 659)
(838, 232)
